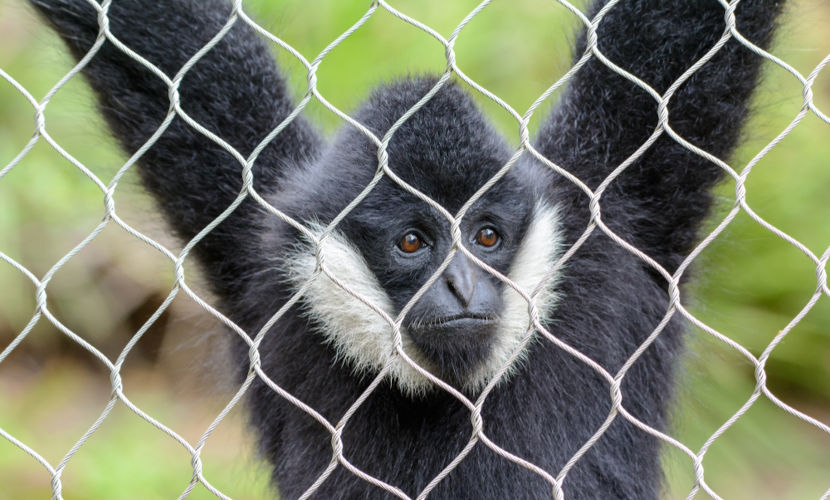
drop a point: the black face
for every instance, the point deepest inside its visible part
(455, 322)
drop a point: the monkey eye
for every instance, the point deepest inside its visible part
(487, 237)
(411, 243)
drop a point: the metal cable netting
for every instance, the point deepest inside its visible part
(688, 456)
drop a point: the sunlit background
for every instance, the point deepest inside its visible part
(750, 283)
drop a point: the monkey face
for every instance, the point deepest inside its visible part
(456, 320)
(464, 322)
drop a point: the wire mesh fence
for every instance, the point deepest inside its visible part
(399, 360)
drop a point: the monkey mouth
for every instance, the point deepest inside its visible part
(471, 320)
(455, 345)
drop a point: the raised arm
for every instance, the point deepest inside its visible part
(235, 91)
(659, 202)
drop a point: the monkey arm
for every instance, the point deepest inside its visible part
(661, 199)
(235, 91)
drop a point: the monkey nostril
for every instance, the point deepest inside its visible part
(462, 287)
(461, 278)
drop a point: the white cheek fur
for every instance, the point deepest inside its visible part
(364, 340)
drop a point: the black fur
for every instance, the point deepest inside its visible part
(610, 300)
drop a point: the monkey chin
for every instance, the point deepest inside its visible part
(455, 346)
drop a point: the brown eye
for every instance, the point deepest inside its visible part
(487, 237)
(410, 243)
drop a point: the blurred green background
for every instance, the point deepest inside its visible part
(750, 284)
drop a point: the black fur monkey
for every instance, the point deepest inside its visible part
(604, 302)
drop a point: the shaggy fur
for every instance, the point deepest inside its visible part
(608, 301)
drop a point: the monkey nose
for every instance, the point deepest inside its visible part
(461, 277)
